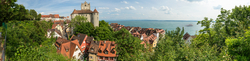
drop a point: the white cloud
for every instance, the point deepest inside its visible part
(217, 7)
(103, 8)
(141, 7)
(117, 9)
(164, 8)
(125, 2)
(126, 7)
(153, 8)
(108, 13)
(42, 13)
(133, 8)
(114, 14)
(137, 2)
(130, 8)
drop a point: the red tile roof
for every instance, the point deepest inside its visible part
(54, 26)
(95, 11)
(50, 15)
(94, 46)
(81, 12)
(107, 46)
(185, 37)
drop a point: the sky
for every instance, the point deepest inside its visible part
(138, 9)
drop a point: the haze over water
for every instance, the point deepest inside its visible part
(161, 24)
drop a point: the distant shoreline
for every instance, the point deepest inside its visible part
(159, 20)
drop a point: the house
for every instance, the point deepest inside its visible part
(78, 53)
(93, 50)
(188, 38)
(152, 39)
(55, 33)
(58, 27)
(59, 42)
(106, 51)
(84, 41)
(50, 17)
(70, 49)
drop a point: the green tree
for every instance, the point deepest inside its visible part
(39, 17)
(33, 13)
(239, 47)
(9, 9)
(128, 46)
(103, 33)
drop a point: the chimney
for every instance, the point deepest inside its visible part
(108, 40)
(104, 41)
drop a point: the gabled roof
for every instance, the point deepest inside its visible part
(77, 44)
(54, 26)
(60, 41)
(107, 46)
(89, 39)
(82, 12)
(185, 37)
(67, 49)
(94, 45)
(80, 37)
(95, 11)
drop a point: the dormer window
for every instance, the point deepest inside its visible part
(102, 44)
(67, 50)
(99, 51)
(83, 47)
(92, 49)
(106, 52)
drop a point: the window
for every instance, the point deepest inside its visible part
(67, 50)
(92, 49)
(106, 52)
(59, 48)
(86, 15)
(100, 51)
(83, 47)
(90, 57)
(85, 5)
(100, 57)
(76, 49)
(113, 52)
(78, 35)
(111, 58)
(79, 54)
(106, 58)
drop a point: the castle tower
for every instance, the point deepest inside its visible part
(95, 16)
(85, 6)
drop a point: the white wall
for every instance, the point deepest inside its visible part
(188, 41)
(76, 53)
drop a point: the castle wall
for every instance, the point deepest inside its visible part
(88, 16)
(95, 20)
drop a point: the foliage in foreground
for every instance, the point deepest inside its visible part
(24, 39)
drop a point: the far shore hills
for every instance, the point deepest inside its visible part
(159, 20)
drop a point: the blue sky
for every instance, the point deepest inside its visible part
(138, 9)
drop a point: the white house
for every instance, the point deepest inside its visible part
(188, 38)
(54, 32)
(78, 53)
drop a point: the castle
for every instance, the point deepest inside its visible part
(92, 16)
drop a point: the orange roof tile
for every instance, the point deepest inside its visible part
(81, 12)
(95, 11)
(108, 46)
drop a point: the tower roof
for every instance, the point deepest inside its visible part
(95, 11)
